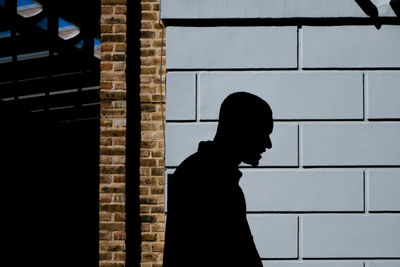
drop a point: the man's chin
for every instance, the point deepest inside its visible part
(253, 162)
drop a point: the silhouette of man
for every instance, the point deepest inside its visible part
(206, 219)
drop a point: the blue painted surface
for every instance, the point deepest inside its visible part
(5, 34)
(21, 3)
(63, 23)
(42, 24)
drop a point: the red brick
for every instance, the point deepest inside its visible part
(112, 226)
(119, 178)
(105, 179)
(113, 2)
(119, 235)
(146, 6)
(121, 47)
(112, 189)
(106, 28)
(106, 10)
(111, 264)
(108, 169)
(120, 10)
(105, 216)
(105, 256)
(105, 198)
(105, 235)
(119, 257)
(113, 19)
(119, 217)
(106, 47)
(149, 237)
(148, 200)
(119, 28)
(112, 207)
(113, 38)
(148, 218)
(150, 15)
(157, 209)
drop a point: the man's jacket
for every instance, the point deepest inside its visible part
(206, 215)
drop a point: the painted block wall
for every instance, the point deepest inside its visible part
(328, 192)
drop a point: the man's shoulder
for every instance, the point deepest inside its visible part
(193, 163)
(196, 164)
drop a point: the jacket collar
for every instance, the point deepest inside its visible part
(216, 155)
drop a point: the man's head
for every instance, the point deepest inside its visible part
(245, 124)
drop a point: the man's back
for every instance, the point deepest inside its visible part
(206, 220)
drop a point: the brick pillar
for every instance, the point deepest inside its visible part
(152, 143)
(112, 133)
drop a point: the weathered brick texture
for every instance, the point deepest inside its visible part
(112, 133)
(152, 137)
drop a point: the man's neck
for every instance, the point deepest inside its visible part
(227, 151)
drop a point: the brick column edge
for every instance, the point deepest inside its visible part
(112, 226)
(152, 99)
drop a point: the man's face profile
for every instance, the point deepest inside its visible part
(256, 144)
(245, 126)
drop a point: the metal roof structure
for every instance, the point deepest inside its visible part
(49, 58)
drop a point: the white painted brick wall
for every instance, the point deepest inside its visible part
(351, 236)
(383, 95)
(351, 47)
(337, 95)
(384, 193)
(231, 47)
(181, 96)
(327, 193)
(276, 235)
(353, 144)
(299, 190)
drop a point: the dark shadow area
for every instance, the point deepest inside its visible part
(50, 192)
(49, 113)
(206, 219)
(395, 4)
(133, 222)
(281, 22)
(372, 11)
(368, 7)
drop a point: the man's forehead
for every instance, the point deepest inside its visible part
(264, 128)
(269, 126)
